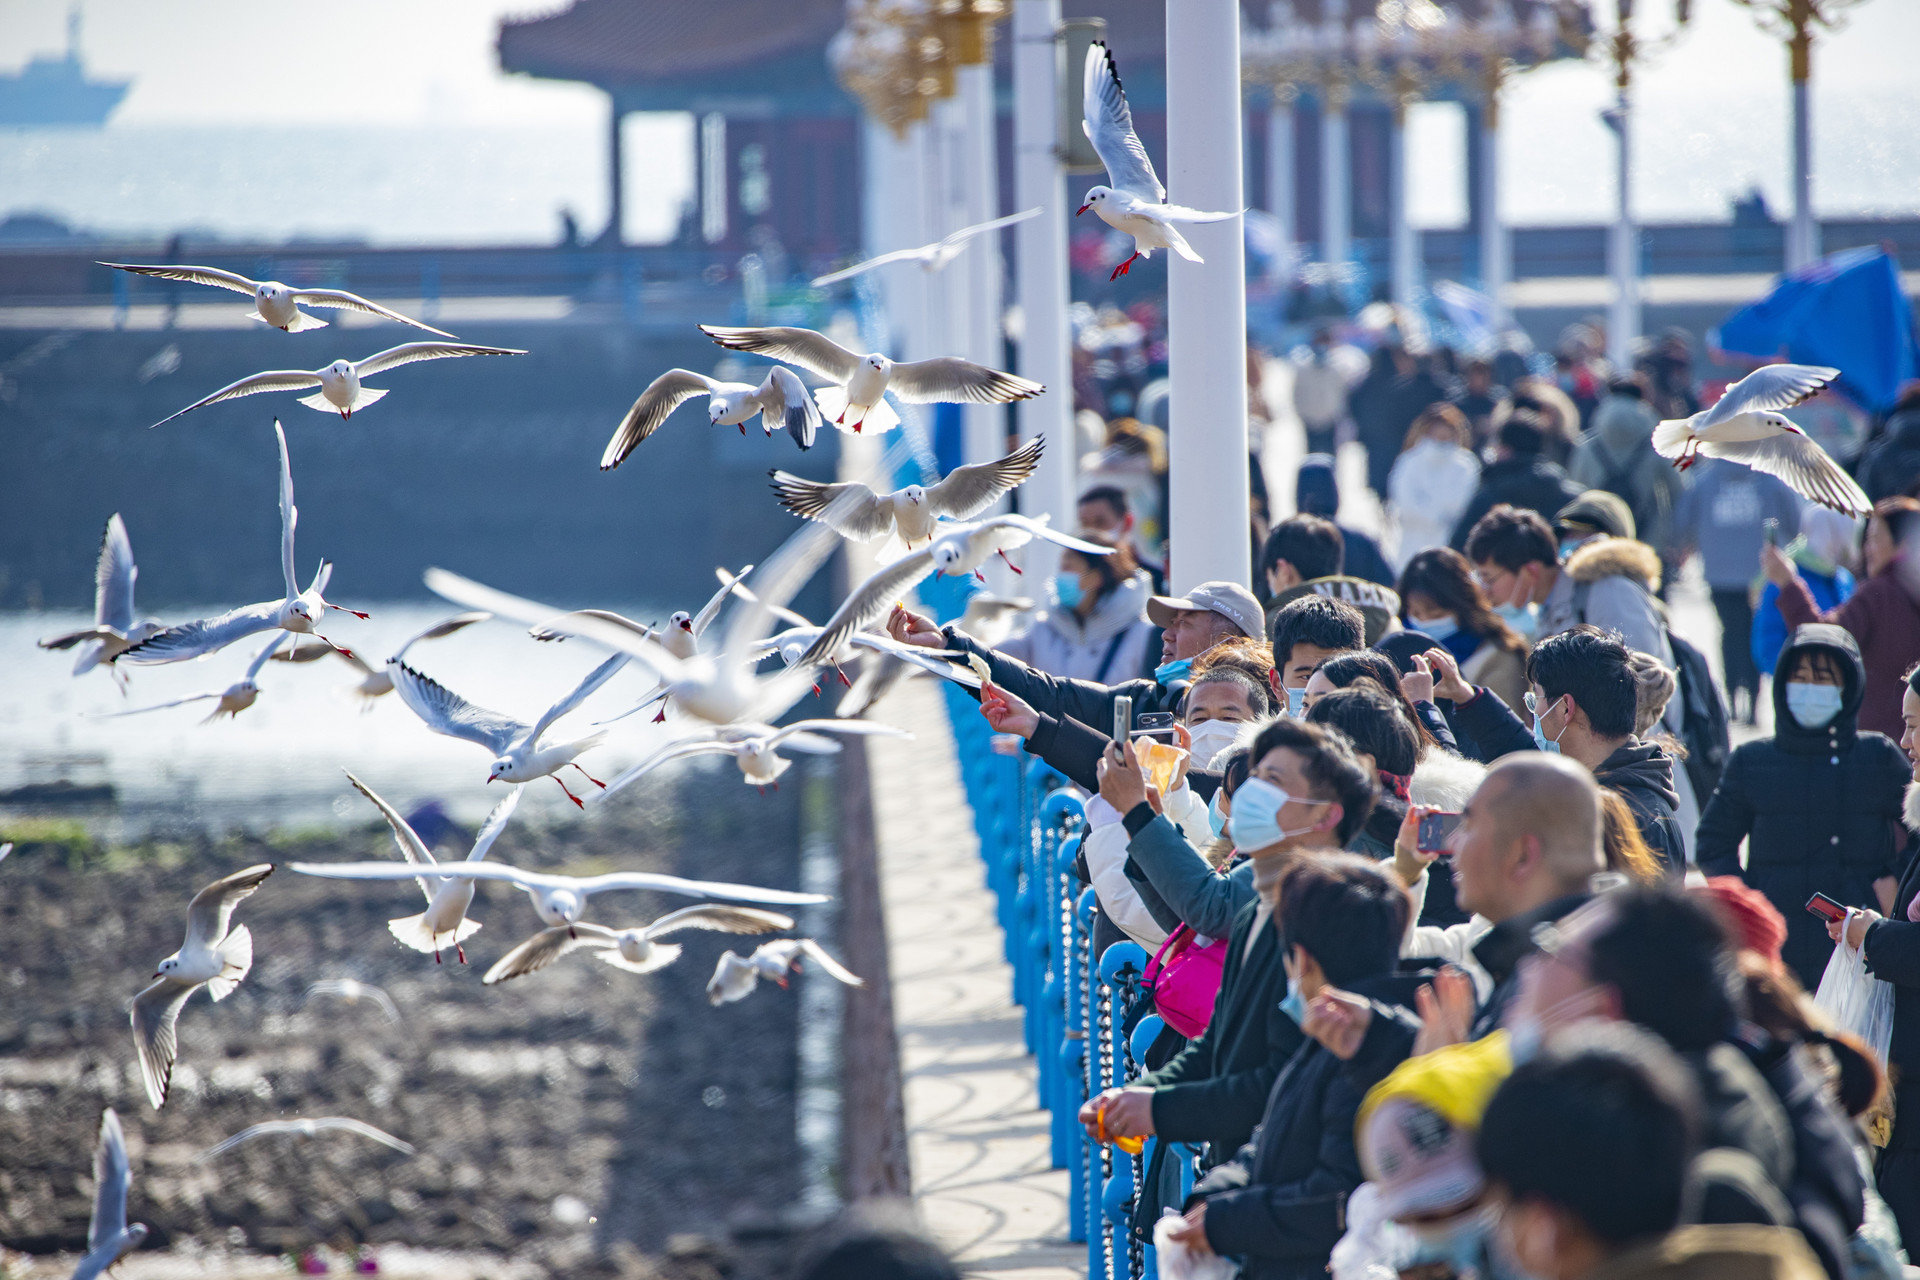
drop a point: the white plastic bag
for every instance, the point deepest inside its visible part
(1856, 1000)
(1177, 1262)
(1375, 1247)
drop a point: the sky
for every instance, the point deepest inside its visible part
(1711, 117)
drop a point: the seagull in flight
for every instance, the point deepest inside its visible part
(114, 630)
(560, 900)
(231, 701)
(911, 512)
(275, 303)
(1133, 199)
(213, 956)
(635, 950)
(756, 747)
(340, 385)
(308, 1127)
(861, 381)
(735, 977)
(781, 400)
(374, 682)
(1744, 425)
(932, 257)
(353, 991)
(447, 899)
(515, 745)
(108, 1233)
(299, 612)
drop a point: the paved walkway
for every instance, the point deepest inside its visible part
(977, 1140)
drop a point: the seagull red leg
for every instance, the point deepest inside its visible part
(563, 786)
(1010, 564)
(589, 777)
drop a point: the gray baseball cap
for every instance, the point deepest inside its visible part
(1228, 599)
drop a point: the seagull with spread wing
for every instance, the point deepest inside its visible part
(911, 512)
(308, 1127)
(299, 612)
(340, 385)
(275, 303)
(735, 977)
(1745, 425)
(214, 955)
(781, 399)
(114, 629)
(445, 919)
(635, 950)
(858, 396)
(756, 749)
(353, 991)
(1132, 200)
(230, 701)
(108, 1233)
(374, 682)
(518, 755)
(932, 257)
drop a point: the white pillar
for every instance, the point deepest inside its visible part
(1623, 250)
(1336, 204)
(1403, 244)
(1280, 194)
(1207, 301)
(1039, 182)
(985, 423)
(1803, 235)
(1495, 262)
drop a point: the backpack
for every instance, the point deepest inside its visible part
(1703, 712)
(1647, 509)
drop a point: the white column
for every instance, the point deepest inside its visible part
(907, 187)
(1280, 194)
(1495, 262)
(885, 166)
(1336, 203)
(1623, 250)
(1403, 244)
(1803, 235)
(713, 177)
(1207, 301)
(1045, 344)
(985, 423)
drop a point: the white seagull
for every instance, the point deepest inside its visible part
(353, 991)
(911, 512)
(444, 922)
(861, 382)
(1744, 425)
(756, 748)
(932, 257)
(780, 400)
(1133, 200)
(518, 755)
(212, 956)
(114, 630)
(735, 977)
(958, 549)
(635, 950)
(231, 701)
(299, 612)
(108, 1233)
(275, 303)
(560, 900)
(374, 682)
(306, 1127)
(340, 387)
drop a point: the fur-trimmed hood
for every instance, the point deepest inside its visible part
(1615, 557)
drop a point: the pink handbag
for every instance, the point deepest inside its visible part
(1184, 980)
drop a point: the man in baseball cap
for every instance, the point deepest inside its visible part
(1194, 623)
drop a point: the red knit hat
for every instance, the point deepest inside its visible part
(1757, 922)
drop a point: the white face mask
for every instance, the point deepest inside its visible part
(1210, 738)
(1813, 706)
(1254, 823)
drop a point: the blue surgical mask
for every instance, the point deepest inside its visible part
(1215, 818)
(1570, 546)
(1167, 672)
(1541, 740)
(1255, 821)
(1441, 628)
(1813, 706)
(1296, 702)
(1461, 1244)
(1523, 618)
(1295, 1005)
(1067, 590)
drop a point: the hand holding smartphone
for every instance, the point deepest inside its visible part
(1436, 825)
(1826, 908)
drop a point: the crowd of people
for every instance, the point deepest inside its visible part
(1478, 944)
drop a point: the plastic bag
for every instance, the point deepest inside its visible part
(1176, 1261)
(1856, 1000)
(1375, 1247)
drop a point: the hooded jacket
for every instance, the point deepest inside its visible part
(1428, 489)
(1112, 644)
(1641, 773)
(1715, 1253)
(1616, 454)
(1818, 808)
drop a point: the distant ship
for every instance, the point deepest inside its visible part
(50, 90)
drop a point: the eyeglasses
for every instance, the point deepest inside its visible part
(1533, 704)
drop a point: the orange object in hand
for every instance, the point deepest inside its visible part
(1132, 1146)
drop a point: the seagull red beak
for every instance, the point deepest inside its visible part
(1082, 209)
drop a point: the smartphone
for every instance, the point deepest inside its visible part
(1122, 718)
(1435, 826)
(1158, 725)
(1770, 530)
(1826, 908)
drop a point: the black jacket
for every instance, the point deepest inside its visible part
(1818, 808)
(1527, 481)
(1641, 773)
(1216, 1089)
(1889, 465)
(1893, 953)
(1085, 701)
(1280, 1207)
(1827, 1191)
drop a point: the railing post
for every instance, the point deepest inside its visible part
(1120, 969)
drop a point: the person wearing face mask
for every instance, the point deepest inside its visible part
(1613, 1211)
(1818, 804)
(1306, 632)
(1279, 1205)
(1607, 582)
(1441, 599)
(1095, 626)
(1306, 791)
